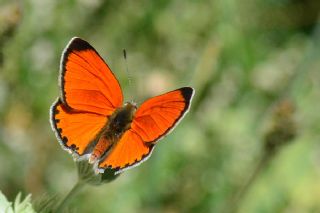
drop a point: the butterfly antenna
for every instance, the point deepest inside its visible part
(128, 73)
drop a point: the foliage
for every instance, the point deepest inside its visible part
(19, 206)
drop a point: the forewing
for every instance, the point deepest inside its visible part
(128, 152)
(76, 131)
(87, 83)
(158, 115)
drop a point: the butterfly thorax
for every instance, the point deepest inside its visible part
(118, 123)
(120, 120)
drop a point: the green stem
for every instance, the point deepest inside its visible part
(76, 188)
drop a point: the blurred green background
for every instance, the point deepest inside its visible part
(242, 57)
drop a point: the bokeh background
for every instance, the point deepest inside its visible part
(244, 58)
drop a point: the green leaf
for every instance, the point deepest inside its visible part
(23, 206)
(5, 205)
(19, 206)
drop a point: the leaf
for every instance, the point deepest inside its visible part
(19, 206)
(5, 205)
(23, 206)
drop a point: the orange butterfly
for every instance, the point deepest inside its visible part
(91, 122)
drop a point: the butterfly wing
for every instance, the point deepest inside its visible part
(87, 83)
(75, 131)
(89, 94)
(129, 151)
(158, 115)
(153, 120)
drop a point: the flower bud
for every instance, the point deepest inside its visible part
(86, 174)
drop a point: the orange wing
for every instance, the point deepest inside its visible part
(87, 82)
(129, 151)
(158, 115)
(76, 132)
(153, 120)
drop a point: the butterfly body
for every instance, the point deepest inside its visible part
(91, 122)
(119, 122)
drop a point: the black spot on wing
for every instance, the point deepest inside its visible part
(64, 139)
(78, 44)
(187, 93)
(54, 112)
(74, 147)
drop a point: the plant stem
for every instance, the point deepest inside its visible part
(76, 188)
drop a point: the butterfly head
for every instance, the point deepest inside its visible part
(130, 106)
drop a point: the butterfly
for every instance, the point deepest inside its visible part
(91, 122)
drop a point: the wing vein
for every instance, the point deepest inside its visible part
(96, 69)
